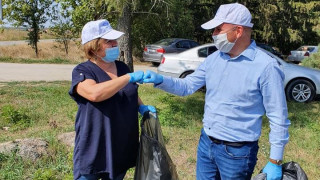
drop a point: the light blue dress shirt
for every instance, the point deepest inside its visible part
(239, 91)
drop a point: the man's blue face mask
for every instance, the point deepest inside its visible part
(111, 54)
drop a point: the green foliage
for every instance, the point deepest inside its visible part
(313, 61)
(285, 24)
(63, 29)
(17, 118)
(47, 174)
(12, 167)
(83, 11)
(31, 14)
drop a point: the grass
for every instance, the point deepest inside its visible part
(49, 52)
(50, 111)
(9, 34)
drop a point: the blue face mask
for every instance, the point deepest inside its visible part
(111, 54)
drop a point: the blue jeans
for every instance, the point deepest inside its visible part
(103, 176)
(219, 161)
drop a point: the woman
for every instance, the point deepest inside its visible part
(107, 132)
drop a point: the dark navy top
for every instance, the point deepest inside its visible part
(107, 132)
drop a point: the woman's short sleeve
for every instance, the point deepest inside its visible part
(79, 74)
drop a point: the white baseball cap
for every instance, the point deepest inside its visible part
(233, 13)
(99, 29)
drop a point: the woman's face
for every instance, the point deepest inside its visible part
(104, 45)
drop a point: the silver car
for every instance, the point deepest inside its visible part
(154, 52)
(302, 52)
(301, 84)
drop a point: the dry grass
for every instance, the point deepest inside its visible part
(47, 50)
(19, 34)
(13, 35)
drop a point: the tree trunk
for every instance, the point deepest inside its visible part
(125, 43)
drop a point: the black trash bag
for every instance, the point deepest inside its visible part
(154, 162)
(290, 171)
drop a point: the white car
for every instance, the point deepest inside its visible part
(302, 52)
(301, 84)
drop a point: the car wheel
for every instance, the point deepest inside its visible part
(185, 74)
(300, 91)
(155, 63)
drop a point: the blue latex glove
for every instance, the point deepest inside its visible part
(152, 77)
(145, 108)
(136, 77)
(273, 171)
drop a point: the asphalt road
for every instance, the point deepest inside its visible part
(8, 43)
(44, 72)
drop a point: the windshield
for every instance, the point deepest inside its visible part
(165, 42)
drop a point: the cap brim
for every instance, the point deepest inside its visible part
(113, 34)
(211, 24)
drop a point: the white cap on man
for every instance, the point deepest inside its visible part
(99, 29)
(233, 13)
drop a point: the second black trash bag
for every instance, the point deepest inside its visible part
(154, 162)
(290, 171)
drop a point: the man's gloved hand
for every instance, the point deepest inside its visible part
(273, 171)
(145, 108)
(152, 77)
(136, 77)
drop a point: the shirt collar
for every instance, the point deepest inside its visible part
(248, 53)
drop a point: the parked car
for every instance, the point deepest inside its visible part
(302, 52)
(271, 49)
(154, 52)
(301, 84)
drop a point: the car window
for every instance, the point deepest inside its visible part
(193, 44)
(302, 48)
(183, 44)
(165, 42)
(211, 50)
(204, 52)
(311, 49)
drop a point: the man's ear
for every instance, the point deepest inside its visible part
(240, 31)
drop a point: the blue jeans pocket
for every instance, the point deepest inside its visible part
(238, 152)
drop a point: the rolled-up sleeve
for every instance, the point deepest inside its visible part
(79, 74)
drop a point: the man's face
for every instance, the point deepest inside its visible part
(230, 29)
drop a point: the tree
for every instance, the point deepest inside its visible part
(119, 11)
(31, 14)
(62, 27)
(285, 24)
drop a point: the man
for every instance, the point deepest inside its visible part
(242, 84)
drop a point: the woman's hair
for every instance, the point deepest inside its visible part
(91, 48)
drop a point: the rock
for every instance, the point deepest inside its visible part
(5, 128)
(8, 147)
(34, 148)
(67, 138)
(26, 148)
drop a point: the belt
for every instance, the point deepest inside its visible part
(235, 144)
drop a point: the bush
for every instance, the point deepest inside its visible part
(313, 61)
(17, 118)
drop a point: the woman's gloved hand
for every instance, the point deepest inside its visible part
(145, 108)
(152, 77)
(273, 171)
(136, 77)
